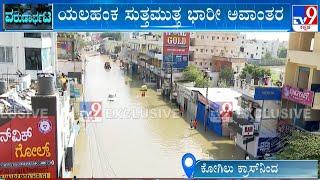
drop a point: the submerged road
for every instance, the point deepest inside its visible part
(138, 136)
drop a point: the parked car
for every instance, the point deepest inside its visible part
(112, 97)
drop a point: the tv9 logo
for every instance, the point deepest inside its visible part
(305, 18)
(91, 111)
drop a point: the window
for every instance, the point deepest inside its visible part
(32, 35)
(6, 54)
(207, 37)
(241, 49)
(223, 38)
(213, 37)
(33, 59)
(9, 57)
(200, 63)
(2, 55)
(197, 50)
(262, 53)
(251, 56)
(256, 54)
(227, 38)
(198, 36)
(232, 39)
(217, 37)
(257, 48)
(231, 52)
(247, 53)
(202, 37)
(210, 64)
(211, 50)
(206, 50)
(196, 62)
(201, 50)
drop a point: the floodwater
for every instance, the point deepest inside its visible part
(138, 136)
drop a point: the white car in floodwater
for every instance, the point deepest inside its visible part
(111, 97)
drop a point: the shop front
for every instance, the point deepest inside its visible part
(300, 102)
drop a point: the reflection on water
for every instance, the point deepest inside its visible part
(147, 145)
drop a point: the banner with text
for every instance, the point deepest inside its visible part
(175, 50)
(28, 147)
(165, 16)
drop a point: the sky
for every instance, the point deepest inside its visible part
(282, 36)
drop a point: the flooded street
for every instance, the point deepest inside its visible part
(138, 136)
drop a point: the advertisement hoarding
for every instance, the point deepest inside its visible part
(304, 97)
(28, 147)
(175, 50)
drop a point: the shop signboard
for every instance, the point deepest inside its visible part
(267, 93)
(247, 130)
(28, 147)
(175, 50)
(304, 97)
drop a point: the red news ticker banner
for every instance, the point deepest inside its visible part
(176, 43)
(28, 147)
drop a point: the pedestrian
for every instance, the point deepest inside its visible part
(195, 123)
(191, 123)
(247, 157)
(181, 110)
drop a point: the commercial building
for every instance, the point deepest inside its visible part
(205, 45)
(301, 91)
(255, 125)
(27, 53)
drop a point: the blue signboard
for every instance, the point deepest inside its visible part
(268, 145)
(267, 93)
(179, 61)
(168, 16)
(210, 169)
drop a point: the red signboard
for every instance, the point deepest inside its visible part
(28, 147)
(176, 43)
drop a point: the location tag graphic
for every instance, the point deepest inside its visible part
(188, 163)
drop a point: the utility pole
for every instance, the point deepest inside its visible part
(207, 105)
(171, 76)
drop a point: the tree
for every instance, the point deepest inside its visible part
(302, 146)
(267, 56)
(254, 71)
(227, 74)
(191, 73)
(282, 53)
(202, 82)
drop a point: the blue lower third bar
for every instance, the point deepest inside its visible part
(256, 169)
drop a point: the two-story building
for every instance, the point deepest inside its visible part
(27, 53)
(301, 91)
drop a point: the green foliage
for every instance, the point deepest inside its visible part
(226, 75)
(193, 74)
(202, 82)
(282, 53)
(115, 36)
(256, 72)
(302, 146)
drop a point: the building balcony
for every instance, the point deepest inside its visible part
(304, 57)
